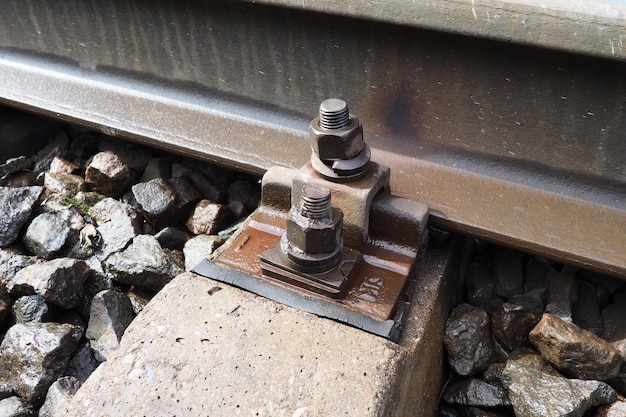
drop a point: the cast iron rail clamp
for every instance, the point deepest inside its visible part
(330, 238)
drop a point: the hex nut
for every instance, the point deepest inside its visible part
(336, 144)
(314, 236)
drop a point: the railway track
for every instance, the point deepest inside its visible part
(505, 121)
(501, 135)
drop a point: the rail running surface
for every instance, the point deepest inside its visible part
(520, 145)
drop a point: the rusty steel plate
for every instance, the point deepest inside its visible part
(523, 146)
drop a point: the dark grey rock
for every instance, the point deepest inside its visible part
(511, 322)
(157, 198)
(617, 409)
(479, 285)
(16, 205)
(47, 234)
(33, 356)
(5, 304)
(476, 392)
(111, 313)
(508, 272)
(139, 299)
(82, 364)
(58, 397)
(614, 320)
(202, 182)
(208, 218)
(45, 156)
(187, 196)
(574, 350)
(59, 281)
(198, 248)
(536, 389)
(15, 407)
(98, 280)
(478, 412)
(107, 174)
(67, 184)
(586, 310)
(143, 264)
(172, 238)
(535, 274)
(562, 292)
(445, 410)
(31, 308)
(468, 341)
(13, 165)
(246, 192)
(221, 177)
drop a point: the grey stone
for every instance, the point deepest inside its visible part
(446, 410)
(586, 310)
(135, 156)
(198, 248)
(157, 198)
(479, 285)
(172, 237)
(59, 395)
(221, 177)
(59, 281)
(109, 208)
(617, 409)
(33, 356)
(508, 272)
(11, 261)
(562, 292)
(208, 218)
(202, 183)
(476, 392)
(143, 264)
(67, 184)
(111, 313)
(468, 341)
(246, 192)
(13, 165)
(536, 389)
(535, 274)
(107, 174)
(15, 407)
(574, 350)
(98, 280)
(31, 308)
(157, 168)
(47, 234)
(82, 364)
(16, 205)
(478, 412)
(116, 234)
(45, 156)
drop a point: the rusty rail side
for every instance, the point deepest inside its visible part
(515, 144)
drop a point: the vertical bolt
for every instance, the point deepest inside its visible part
(315, 202)
(334, 114)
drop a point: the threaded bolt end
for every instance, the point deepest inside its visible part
(315, 203)
(334, 114)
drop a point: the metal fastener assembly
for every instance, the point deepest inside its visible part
(338, 150)
(312, 240)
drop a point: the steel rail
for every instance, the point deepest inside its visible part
(519, 145)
